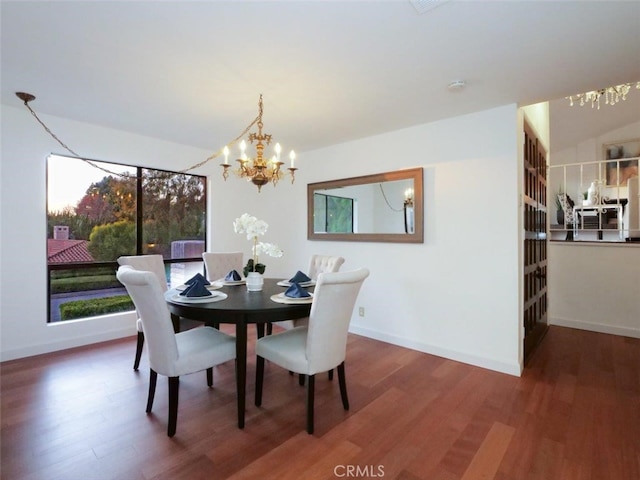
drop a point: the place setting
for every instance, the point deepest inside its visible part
(231, 279)
(197, 290)
(296, 292)
(300, 278)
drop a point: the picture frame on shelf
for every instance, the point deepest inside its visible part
(624, 161)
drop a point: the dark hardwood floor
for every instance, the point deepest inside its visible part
(574, 414)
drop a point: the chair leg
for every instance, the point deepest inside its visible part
(174, 386)
(310, 394)
(136, 362)
(343, 386)
(269, 328)
(153, 378)
(259, 378)
(210, 376)
(301, 379)
(330, 374)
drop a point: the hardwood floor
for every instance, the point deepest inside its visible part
(574, 414)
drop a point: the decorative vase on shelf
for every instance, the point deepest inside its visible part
(254, 282)
(593, 194)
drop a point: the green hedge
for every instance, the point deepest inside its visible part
(95, 306)
(82, 284)
(69, 273)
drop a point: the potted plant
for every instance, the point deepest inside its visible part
(254, 228)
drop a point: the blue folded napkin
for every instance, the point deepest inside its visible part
(296, 291)
(233, 276)
(299, 277)
(197, 278)
(196, 289)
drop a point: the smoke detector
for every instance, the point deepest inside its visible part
(423, 6)
(456, 85)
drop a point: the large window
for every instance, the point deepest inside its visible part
(99, 211)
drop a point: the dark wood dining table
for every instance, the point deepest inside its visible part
(241, 308)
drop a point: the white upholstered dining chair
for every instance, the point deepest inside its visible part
(172, 354)
(317, 264)
(150, 263)
(322, 264)
(319, 346)
(219, 264)
(633, 208)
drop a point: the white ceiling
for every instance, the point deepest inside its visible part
(330, 71)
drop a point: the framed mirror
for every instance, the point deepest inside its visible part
(384, 207)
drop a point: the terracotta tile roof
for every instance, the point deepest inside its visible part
(67, 251)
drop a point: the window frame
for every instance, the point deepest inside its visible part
(139, 222)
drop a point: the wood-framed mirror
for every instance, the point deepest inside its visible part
(383, 207)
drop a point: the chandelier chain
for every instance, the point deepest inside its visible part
(387, 201)
(213, 156)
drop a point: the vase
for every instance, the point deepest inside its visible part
(254, 282)
(593, 194)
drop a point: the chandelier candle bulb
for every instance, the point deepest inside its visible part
(278, 149)
(292, 156)
(226, 155)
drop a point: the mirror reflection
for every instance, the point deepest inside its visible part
(381, 207)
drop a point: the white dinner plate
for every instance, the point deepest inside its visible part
(213, 286)
(287, 283)
(214, 297)
(230, 283)
(282, 298)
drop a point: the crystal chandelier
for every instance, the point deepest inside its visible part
(259, 170)
(612, 95)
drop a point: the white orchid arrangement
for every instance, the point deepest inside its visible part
(255, 228)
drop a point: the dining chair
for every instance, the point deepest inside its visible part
(150, 263)
(219, 264)
(633, 208)
(323, 263)
(570, 217)
(172, 354)
(317, 264)
(319, 346)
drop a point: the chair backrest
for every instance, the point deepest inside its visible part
(333, 301)
(148, 263)
(142, 286)
(567, 206)
(323, 264)
(218, 264)
(633, 206)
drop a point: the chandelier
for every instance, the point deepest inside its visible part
(259, 170)
(612, 95)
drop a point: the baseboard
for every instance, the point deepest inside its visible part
(40, 349)
(596, 327)
(483, 362)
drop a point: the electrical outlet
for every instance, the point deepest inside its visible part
(361, 311)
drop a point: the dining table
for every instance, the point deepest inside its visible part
(241, 308)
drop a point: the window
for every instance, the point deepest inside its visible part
(99, 211)
(332, 214)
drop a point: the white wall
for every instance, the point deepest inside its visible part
(23, 277)
(595, 287)
(456, 295)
